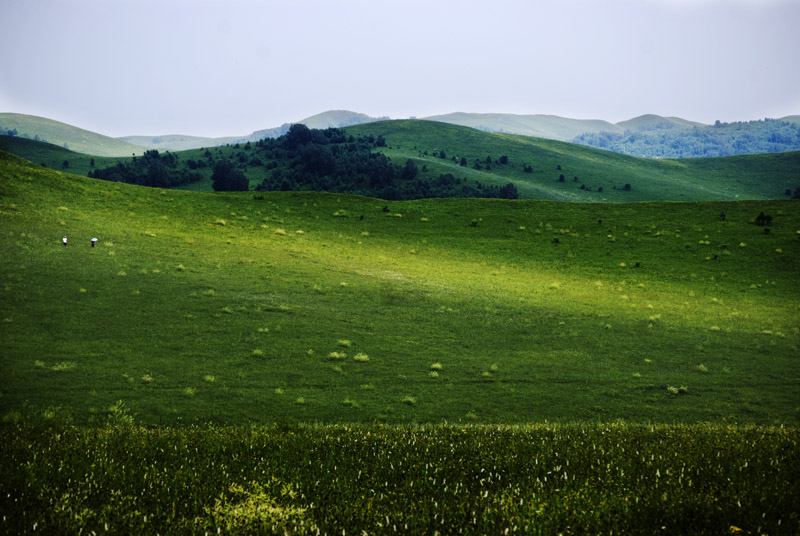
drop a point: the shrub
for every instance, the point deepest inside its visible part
(254, 511)
(119, 415)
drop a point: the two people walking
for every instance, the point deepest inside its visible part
(92, 241)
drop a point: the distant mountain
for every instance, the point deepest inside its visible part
(73, 138)
(540, 126)
(178, 142)
(655, 122)
(338, 119)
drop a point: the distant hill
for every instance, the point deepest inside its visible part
(179, 142)
(176, 142)
(338, 119)
(655, 133)
(541, 126)
(656, 122)
(67, 136)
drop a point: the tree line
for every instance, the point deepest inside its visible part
(720, 139)
(151, 169)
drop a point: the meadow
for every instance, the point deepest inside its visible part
(334, 324)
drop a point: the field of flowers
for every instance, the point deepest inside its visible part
(539, 479)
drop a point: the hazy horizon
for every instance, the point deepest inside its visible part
(208, 68)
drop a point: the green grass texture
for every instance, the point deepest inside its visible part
(540, 479)
(288, 308)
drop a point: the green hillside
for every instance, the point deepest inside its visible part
(589, 175)
(308, 307)
(740, 177)
(67, 136)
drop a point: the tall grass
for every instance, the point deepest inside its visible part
(542, 479)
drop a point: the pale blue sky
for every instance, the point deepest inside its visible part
(218, 68)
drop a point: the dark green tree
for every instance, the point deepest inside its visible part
(226, 178)
(410, 170)
(509, 191)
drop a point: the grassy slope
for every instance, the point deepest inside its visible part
(740, 177)
(219, 307)
(78, 139)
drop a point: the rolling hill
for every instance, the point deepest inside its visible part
(177, 142)
(67, 136)
(589, 174)
(654, 122)
(557, 128)
(534, 165)
(338, 119)
(542, 126)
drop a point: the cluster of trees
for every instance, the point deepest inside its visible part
(328, 160)
(151, 169)
(721, 139)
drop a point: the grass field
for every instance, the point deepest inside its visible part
(492, 343)
(226, 308)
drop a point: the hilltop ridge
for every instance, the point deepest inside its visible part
(595, 132)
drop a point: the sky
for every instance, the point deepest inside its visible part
(230, 67)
